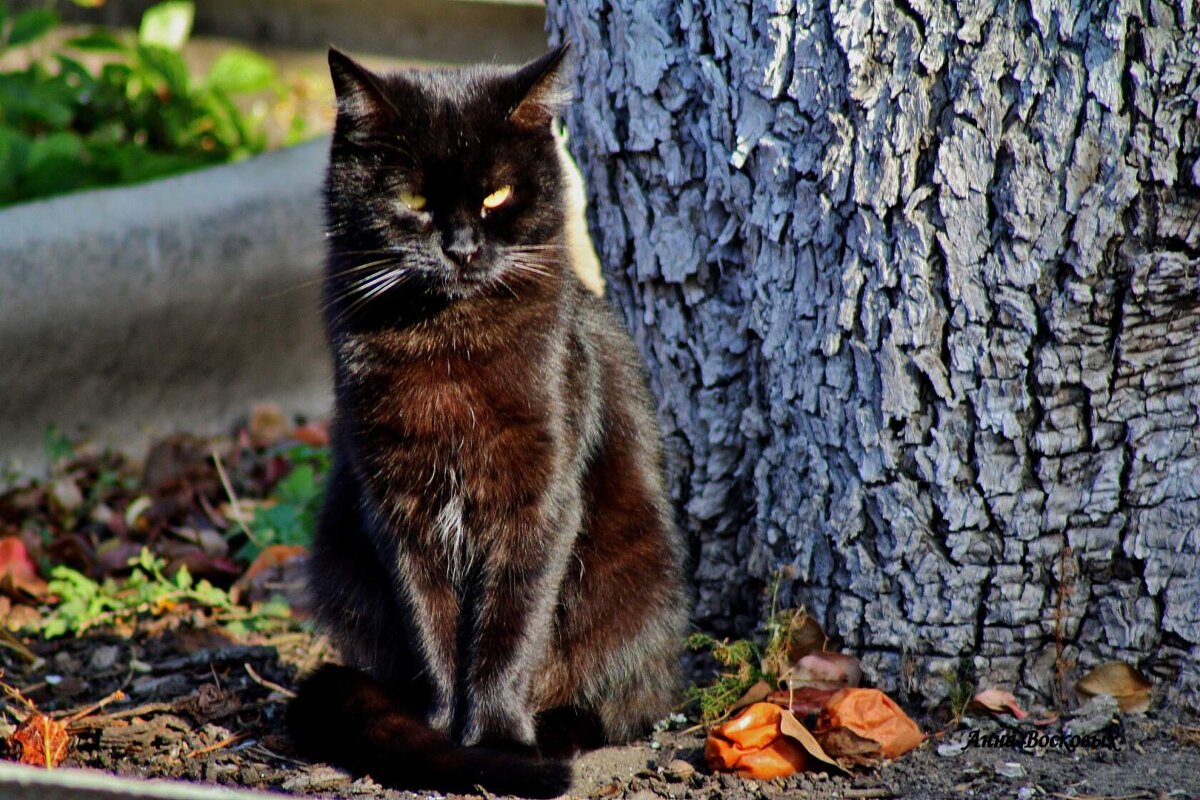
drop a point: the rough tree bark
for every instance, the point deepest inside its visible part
(919, 285)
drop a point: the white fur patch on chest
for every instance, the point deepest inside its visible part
(450, 530)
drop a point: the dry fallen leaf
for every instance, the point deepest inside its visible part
(998, 701)
(872, 714)
(271, 566)
(763, 741)
(751, 745)
(805, 701)
(823, 670)
(268, 424)
(314, 434)
(1117, 679)
(790, 726)
(43, 741)
(18, 574)
(848, 747)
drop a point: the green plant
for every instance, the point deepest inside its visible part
(290, 517)
(744, 662)
(138, 115)
(741, 668)
(84, 603)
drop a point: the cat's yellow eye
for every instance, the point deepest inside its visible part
(415, 202)
(497, 198)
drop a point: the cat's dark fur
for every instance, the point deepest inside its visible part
(495, 558)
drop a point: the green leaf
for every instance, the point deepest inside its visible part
(167, 66)
(29, 97)
(14, 153)
(54, 164)
(31, 26)
(97, 42)
(56, 444)
(88, 3)
(238, 70)
(167, 24)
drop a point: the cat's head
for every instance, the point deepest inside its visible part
(445, 181)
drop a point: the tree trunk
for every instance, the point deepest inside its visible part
(918, 287)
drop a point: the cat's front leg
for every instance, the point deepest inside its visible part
(511, 613)
(435, 610)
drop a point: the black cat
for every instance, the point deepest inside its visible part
(496, 558)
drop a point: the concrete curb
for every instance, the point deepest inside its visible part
(29, 783)
(171, 305)
(507, 31)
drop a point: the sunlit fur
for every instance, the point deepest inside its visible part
(496, 558)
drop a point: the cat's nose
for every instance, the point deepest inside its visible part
(461, 251)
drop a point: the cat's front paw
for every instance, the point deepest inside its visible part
(440, 717)
(501, 728)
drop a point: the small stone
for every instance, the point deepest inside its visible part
(66, 496)
(679, 770)
(104, 658)
(1093, 716)
(65, 663)
(954, 747)
(1025, 793)
(1010, 769)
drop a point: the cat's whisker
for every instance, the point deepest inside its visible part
(365, 288)
(391, 280)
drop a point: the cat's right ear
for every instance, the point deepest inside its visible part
(359, 97)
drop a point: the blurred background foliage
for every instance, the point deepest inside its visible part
(91, 107)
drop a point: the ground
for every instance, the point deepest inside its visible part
(195, 711)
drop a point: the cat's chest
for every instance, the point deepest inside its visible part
(433, 426)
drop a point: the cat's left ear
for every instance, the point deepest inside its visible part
(359, 97)
(542, 90)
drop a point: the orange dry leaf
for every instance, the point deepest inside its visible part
(315, 434)
(872, 714)
(1116, 678)
(18, 574)
(998, 700)
(43, 741)
(751, 745)
(271, 557)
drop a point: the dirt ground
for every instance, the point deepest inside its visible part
(200, 707)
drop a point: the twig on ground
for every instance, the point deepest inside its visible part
(237, 737)
(261, 681)
(100, 720)
(87, 711)
(1135, 796)
(7, 640)
(239, 517)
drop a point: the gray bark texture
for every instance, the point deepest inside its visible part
(919, 287)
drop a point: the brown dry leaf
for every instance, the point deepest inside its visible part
(806, 701)
(823, 670)
(790, 726)
(871, 713)
(43, 741)
(18, 574)
(314, 434)
(278, 566)
(268, 424)
(998, 701)
(755, 694)
(1117, 679)
(848, 747)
